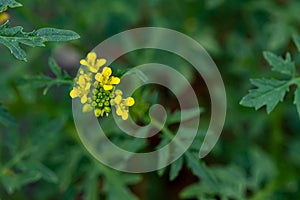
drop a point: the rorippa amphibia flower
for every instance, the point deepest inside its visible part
(95, 86)
(122, 104)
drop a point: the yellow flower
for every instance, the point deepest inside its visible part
(93, 64)
(82, 89)
(122, 104)
(87, 108)
(3, 17)
(106, 80)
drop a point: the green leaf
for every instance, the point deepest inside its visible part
(61, 78)
(5, 118)
(175, 168)
(262, 169)
(91, 187)
(116, 183)
(228, 187)
(199, 169)
(14, 36)
(70, 166)
(56, 35)
(297, 41)
(13, 182)
(278, 64)
(297, 99)
(269, 92)
(8, 3)
(55, 68)
(37, 167)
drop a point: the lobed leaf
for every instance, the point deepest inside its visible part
(175, 168)
(269, 92)
(278, 64)
(8, 3)
(14, 36)
(297, 100)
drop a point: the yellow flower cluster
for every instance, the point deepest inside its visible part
(96, 89)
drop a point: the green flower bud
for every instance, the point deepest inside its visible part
(106, 103)
(107, 109)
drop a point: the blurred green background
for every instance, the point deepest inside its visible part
(257, 156)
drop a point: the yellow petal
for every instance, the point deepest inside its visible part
(129, 101)
(74, 93)
(83, 99)
(119, 111)
(87, 108)
(87, 87)
(107, 87)
(125, 115)
(84, 62)
(98, 77)
(114, 80)
(118, 99)
(97, 112)
(100, 62)
(118, 92)
(91, 57)
(106, 71)
(93, 69)
(81, 81)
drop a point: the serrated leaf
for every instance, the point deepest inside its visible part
(175, 168)
(200, 170)
(8, 3)
(14, 36)
(297, 41)
(269, 92)
(278, 64)
(297, 100)
(5, 118)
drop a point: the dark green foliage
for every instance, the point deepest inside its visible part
(257, 155)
